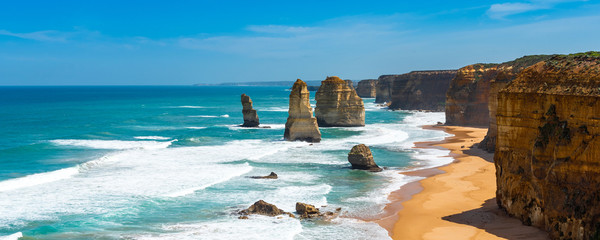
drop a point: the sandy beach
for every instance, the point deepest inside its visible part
(456, 201)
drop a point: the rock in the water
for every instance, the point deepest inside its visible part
(301, 125)
(338, 105)
(250, 116)
(306, 209)
(548, 146)
(367, 88)
(263, 208)
(310, 211)
(270, 176)
(361, 158)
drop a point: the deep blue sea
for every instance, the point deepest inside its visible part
(170, 162)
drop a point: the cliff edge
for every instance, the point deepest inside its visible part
(548, 146)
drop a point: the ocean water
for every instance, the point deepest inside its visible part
(172, 163)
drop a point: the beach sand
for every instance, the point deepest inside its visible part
(456, 201)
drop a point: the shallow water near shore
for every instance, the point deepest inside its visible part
(172, 163)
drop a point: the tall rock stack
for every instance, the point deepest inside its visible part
(548, 146)
(384, 88)
(367, 88)
(338, 105)
(301, 125)
(250, 116)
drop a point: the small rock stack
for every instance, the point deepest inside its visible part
(250, 116)
(361, 158)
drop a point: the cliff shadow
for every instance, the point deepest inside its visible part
(490, 218)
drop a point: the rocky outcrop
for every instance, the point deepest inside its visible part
(504, 74)
(301, 125)
(417, 90)
(309, 211)
(263, 208)
(361, 158)
(250, 116)
(367, 88)
(548, 146)
(270, 176)
(338, 105)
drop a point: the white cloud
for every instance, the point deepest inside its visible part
(42, 36)
(502, 10)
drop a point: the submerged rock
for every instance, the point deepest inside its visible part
(263, 208)
(361, 158)
(250, 115)
(338, 105)
(273, 175)
(301, 125)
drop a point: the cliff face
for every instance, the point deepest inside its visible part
(420, 90)
(467, 97)
(383, 91)
(338, 105)
(250, 116)
(548, 146)
(367, 88)
(504, 74)
(301, 125)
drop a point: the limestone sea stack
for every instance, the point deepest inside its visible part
(301, 125)
(367, 88)
(361, 158)
(250, 116)
(548, 146)
(338, 105)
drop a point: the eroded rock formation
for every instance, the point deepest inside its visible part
(263, 208)
(468, 95)
(273, 175)
(361, 158)
(309, 211)
(301, 125)
(250, 116)
(417, 90)
(548, 146)
(338, 105)
(367, 88)
(505, 73)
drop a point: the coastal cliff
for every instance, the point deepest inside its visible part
(504, 74)
(467, 97)
(383, 89)
(338, 105)
(301, 125)
(548, 146)
(418, 90)
(367, 88)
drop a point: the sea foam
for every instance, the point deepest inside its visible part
(112, 144)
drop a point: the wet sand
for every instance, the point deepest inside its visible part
(456, 201)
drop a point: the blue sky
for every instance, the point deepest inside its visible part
(186, 42)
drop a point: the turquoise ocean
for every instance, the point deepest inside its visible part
(171, 162)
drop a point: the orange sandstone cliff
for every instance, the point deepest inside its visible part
(548, 146)
(367, 88)
(417, 90)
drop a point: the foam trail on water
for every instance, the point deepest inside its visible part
(187, 106)
(14, 236)
(203, 116)
(228, 176)
(151, 138)
(36, 179)
(196, 128)
(112, 144)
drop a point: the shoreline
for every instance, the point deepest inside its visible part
(454, 201)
